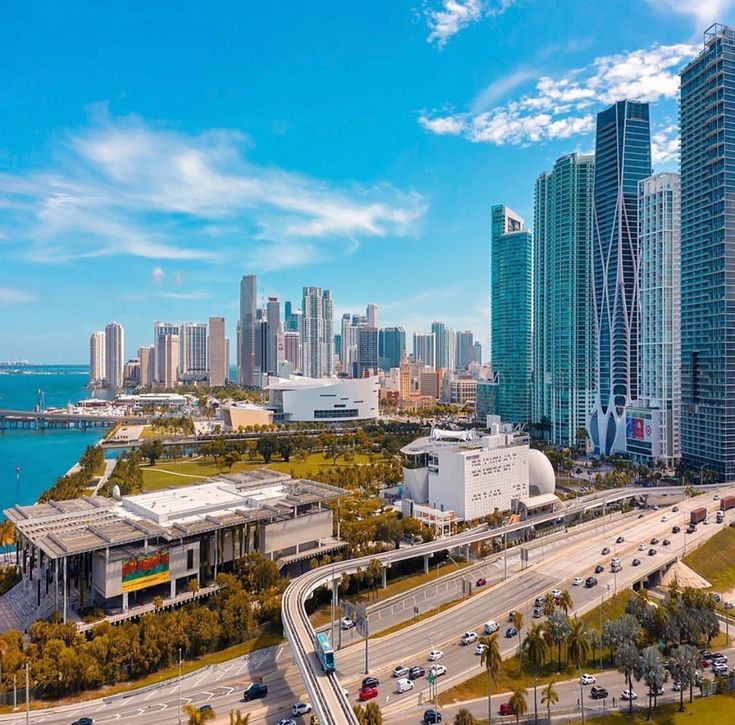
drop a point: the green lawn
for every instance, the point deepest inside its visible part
(715, 560)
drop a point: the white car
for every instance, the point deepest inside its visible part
(468, 638)
(400, 671)
(438, 670)
(491, 626)
(628, 695)
(346, 623)
(435, 654)
(676, 686)
(641, 547)
(300, 708)
(404, 685)
(480, 648)
(587, 679)
(556, 593)
(577, 581)
(664, 519)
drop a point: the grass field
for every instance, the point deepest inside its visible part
(715, 561)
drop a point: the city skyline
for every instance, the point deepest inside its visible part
(314, 218)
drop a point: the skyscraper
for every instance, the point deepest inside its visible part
(391, 346)
(160, 330)
(371, 313)
(170, 361)
(217, 352)
(146, 358)
(564, 318)
(317, 334)
(423, 348)
(463, 349)
(477, 352)
(273, 320)
(367, 351)
(97, 370)
(622, 159)
(248, 305)
(114, 354)
(441, 345)
(511, 314)
(292, 349)
(193, 350)
(707, 116)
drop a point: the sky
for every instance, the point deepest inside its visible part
(152, 153)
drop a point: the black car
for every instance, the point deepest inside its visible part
(598, 693)
(590, 582)
(605, 551)
(370, 682)
(675, 529)
(665, 542)
(415, 672)
(654, 541)
(538, 612)
(255, 691)
(636, 562)
(620, 540)
(83, 721)
(205, 709)
(599, 569)
(652, 552)
(431, 717)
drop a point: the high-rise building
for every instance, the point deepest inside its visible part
(622, 159)
(423, 348)
(114, 354)
(131, 371)
(97, 370)
(170, 361)
(217, 352)
(442, 352)
(160, 330)
(317, 334)
(290, 320)
(707, 113)
(564, 317)
(367, 351)
(261, 349)
(248, 306)
(193, 350)
(292, 349)
(348, 344)
(371, 313)
(463, 349)
(391, 346)
(652, 422)
(477, 352)
(273, 320)
(147, 372)
(511, 314)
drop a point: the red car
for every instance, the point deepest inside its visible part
(505, 709)
(481, 582)
(368, 693)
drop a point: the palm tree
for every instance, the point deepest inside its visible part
(464, 717)
(537, 650)
(549, 697)
(197, 716)
(650, 669)
(557, 627)
(491, 661)
(518, 703)
(565, 601)
(626, 659)
(578, 647)
(549, 605)
(517, 621)
(237, 718)
(684, 661)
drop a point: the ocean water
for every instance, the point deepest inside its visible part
(41, 456)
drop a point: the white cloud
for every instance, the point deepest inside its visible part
(193, 295)
(157, 275)
(702, 12)
(10, 296)
(126, 187)
(500, 88)
(665, 145)
(564, 107)
(452, 16)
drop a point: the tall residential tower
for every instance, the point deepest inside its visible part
(114, 354)
(246, 339)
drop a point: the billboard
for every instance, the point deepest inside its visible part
(145, 570)
(638, 426)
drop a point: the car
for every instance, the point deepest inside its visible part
(586, 679)
(640, 516)
(431, 717)
(416, 671)
(676, 686)
(636, 562)
(511, 615)
(716, 597)
(641, 547)
(719, 657)
(652, 552)
(599, 569)
(370, 681)
(716, 497)
(438, 670)
(665, 542)
(598, 693)
(491, 626)
(511, 632)
(620, 540)
(400, 671)
(254, 691)
(654, 541)
(605, 551)
(590, 582)
(675, 509)
(481, 582)
(719, 667)
(691, 529)
(653, 692)
(403, 685)
(628, 695)
(480, 648)
(435, 654)
(675, 529)
(505, 709)
(300, 708)
(556, 593)
(538, 612)
(287, 721)
(367, 693)
(664, 519)
(346, 623)
(577, 581)
(83, 721)
(538, 602)
(468, 638)
(729, 605)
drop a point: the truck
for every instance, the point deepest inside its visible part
(698, 515)
(727, 502)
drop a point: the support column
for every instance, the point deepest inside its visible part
(426, 563)
(125, 602)
(66, 596)
(467, 553)
(384, 572)
(173, 588)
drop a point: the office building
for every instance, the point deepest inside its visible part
(348, 345)
(290, 317)
(511, 318)
(430, 382)
(170, 361)
(423, 348)
(371, 314)
(114, 354)
(367, 351)
(292, 349)
(477, 352)
(274, 333)
(463, 349)
(317, 334)
(391, 346)
(131, 371)
(97, 369)
(707, 113)
(246, 343)
(193, 351)
(622, 159)
(160, 331)
(462, 390)
(564, 318)
(217, 364)
(147, 372)
(443, 346)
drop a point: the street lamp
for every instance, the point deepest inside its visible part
(179, 685)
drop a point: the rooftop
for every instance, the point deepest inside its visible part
(463, 441)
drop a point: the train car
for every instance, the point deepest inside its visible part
(324, 652)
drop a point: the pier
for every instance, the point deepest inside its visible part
(47, 420)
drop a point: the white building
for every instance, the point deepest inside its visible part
(193, 351)
(324, 399)
(97, 370)
(217, 358)
(317, 333)
(423, 348)
(472, 475)
(160, 331)
(114, 354)
(170, 361)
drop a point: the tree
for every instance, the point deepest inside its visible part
(368, 715)
(626, 659)
(237, 718)
(464, 717)
(197, 716)
(266, 447)
(565, 601)
(549, 605)
(549, 697)
(374, 573)
(578, 647)
(537, 650)
(684, 662)
(491, 661)
(517, 621)
(650, 669)
(517, 702)
(285, 448)
(557, 628)
(152, 450)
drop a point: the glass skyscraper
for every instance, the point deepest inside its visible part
(564, 320)
(707, 118)
(622, 159)
(391, 346)
(511, 314)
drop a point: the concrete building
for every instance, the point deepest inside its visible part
(131, 371)
(193, 351)
(160, 330)
(430, 382)
(317, 338)
(246, 342)
(237, 416)
(462, 390)
(114, 354)
(217, 362)
(367, 351)
(564, 317)
(477, 352)
(463, 349)
(147, 359)
(371, 313)
(622, 159)
(97, 369)
(108, 552)
(170, 361)
(443, 346)
(423, 348)
(274, 351)
(292, 349)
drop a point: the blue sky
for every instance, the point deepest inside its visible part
(152, 153)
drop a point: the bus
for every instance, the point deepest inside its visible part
(324, 651)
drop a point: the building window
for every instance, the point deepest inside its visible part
(345, 413)
(189, 559)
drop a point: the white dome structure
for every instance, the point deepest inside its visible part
(541, 475)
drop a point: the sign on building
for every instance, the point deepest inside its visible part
(145, 570)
